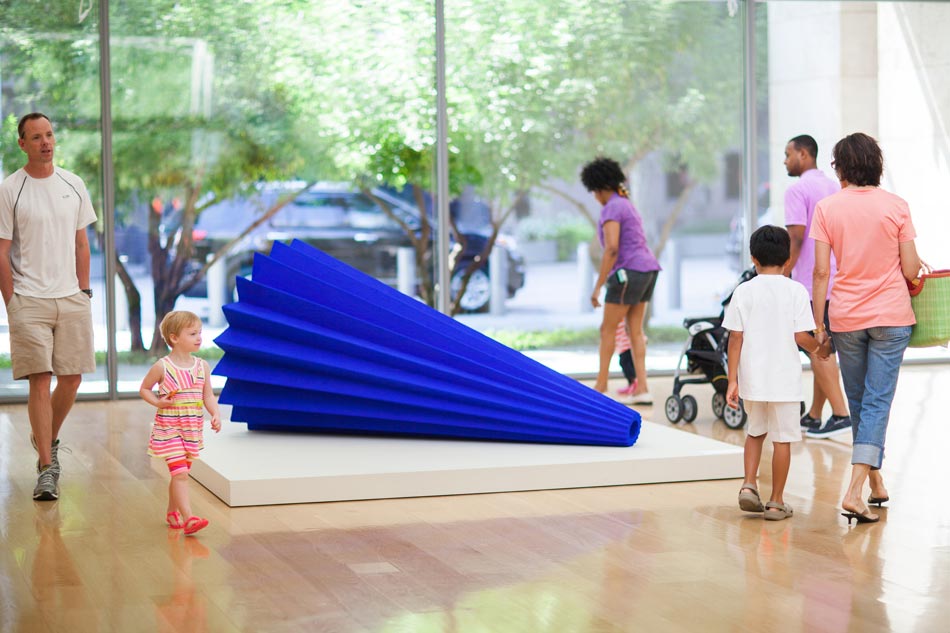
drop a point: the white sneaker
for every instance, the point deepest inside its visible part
(645, 399)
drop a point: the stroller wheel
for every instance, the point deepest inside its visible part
(718, 404)
(690, 408)
(735, 418)
(674, 409)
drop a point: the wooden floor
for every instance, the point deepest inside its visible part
(671, 557)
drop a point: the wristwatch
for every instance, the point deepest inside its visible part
(88, 292)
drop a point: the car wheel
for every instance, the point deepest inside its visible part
(478, 292)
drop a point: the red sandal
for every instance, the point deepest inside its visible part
(195, 524)
(174, 520)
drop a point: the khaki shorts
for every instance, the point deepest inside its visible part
(781, 420)
(51, 335)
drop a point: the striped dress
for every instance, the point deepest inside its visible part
(176, 431)
(621, 340)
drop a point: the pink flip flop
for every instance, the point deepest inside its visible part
(195, 524)
(174, 520)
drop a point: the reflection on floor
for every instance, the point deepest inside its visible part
(666, 557)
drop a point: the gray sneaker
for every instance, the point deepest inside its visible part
(809, 423)
(55, 456)
(835, 425)
(47, 486)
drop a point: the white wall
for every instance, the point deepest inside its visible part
(879, 68)
(914, 54)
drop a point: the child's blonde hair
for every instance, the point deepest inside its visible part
(176, 321)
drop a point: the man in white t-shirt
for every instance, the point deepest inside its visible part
(768, 318)
(44, 279)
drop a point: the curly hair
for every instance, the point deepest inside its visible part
(603, 174)
(858, 160)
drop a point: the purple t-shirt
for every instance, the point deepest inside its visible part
(633, 251)
(800, 201)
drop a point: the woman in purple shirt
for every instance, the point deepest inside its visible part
(628, 269)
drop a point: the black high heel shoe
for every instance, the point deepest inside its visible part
(878, 500)
(861, 517)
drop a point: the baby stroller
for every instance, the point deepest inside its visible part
(706, 362)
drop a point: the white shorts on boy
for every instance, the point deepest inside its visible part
(781, 420)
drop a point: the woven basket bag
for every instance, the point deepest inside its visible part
(930, 300)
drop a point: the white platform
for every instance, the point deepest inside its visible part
(246, 468)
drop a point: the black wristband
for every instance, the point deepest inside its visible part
(88, 292)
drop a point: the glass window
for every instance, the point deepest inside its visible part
(536, 90)
(49, 63)
(223, 112)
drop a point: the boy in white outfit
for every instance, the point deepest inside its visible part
(768, 317)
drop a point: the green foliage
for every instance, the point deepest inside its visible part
(209, 98)
(585, 338)
(135, 357)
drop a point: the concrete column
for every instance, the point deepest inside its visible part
(217, 284)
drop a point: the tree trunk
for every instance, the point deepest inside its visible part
(484, 255)
(134, 300)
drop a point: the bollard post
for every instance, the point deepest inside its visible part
(216, 280)
(406, 270)
(498, 273)
(585, 277)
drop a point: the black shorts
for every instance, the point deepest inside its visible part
(638, 289)
(827, 329)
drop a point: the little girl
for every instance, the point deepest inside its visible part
(184, 388)
(622, 348)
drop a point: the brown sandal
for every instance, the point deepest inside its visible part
(749, 500)
(777, 511)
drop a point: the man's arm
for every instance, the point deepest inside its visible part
(797, 234)
(6, 271)
(82, 258)
(796, 216)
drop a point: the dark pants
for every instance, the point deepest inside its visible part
(626, 364)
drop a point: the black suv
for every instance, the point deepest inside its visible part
(346, 224)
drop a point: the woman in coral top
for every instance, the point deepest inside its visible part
(872, 236)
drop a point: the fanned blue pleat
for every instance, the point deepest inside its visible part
(315, 345)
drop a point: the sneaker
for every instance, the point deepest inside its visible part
(645, 399)
(809, 423)
(54, 455)
(835, 425)
(47, 486)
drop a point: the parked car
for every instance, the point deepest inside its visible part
(344, 223)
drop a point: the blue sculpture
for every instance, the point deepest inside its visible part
(315, 345)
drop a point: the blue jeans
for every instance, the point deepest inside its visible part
(870, 362)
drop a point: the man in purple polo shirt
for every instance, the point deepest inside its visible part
(800, 201)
